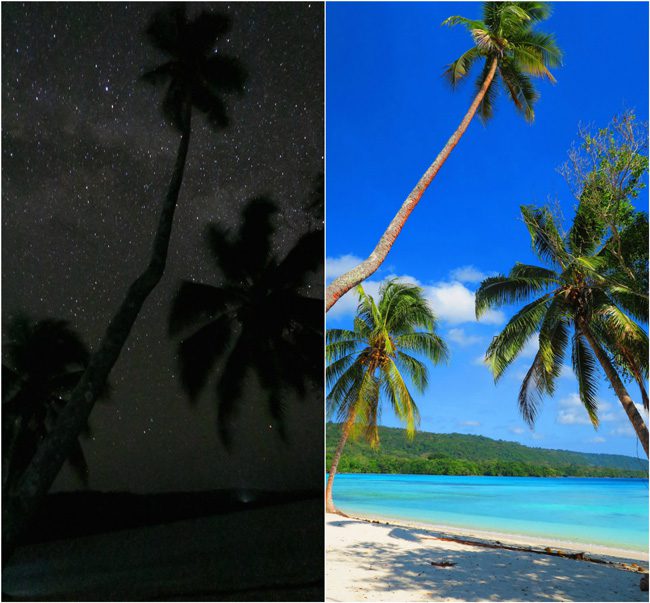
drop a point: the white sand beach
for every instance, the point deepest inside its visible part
(379, 561)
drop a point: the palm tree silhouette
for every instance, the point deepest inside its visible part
(511, 52)
(43, 361)
(257, 317)
(370, 362)
(196, 77)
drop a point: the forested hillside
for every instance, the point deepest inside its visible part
(460, 454)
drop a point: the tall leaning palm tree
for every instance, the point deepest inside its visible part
(374, 360)
(196, 77)
(511, 52)
(257, 316)
(581, 292)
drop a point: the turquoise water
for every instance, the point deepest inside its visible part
(609, 512)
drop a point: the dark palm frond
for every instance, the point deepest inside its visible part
(204, 30)
(260, 320)
(159, 75)
(225, 74)
(230, 385)
(305, 257)
(164, 29)
(198, 353)
(44, 361)
(196, 302)
(196, 73)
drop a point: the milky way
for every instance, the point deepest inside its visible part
(86, 159)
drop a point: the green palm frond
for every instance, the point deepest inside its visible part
(506, 346)
(457, 70)
(543, 276)
(545, 236)
(507, 35)
(520, 88)
(496, 291)
(414, 369)
(533, 387)
(429, 345)
(374, 360)
(553, 339)
(468, 23)
(584, 368)
(486, 107)
(400, 398)
(336, 368)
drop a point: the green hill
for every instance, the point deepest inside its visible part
(461, 454)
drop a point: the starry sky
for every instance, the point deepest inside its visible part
(386, 121)
(86, 160)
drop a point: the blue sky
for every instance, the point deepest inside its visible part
(389, 112)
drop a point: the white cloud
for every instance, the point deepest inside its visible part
(451, 302)
(624, 429)
(337, 266)
(598, 440)
(461, 338)
(468, 274)
(537, 436)
(572, 412)
(481, 361)
(517, 430)
(531, 347)
(471, 423)
(454, 303)
(566, 371)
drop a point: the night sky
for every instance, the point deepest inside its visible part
(86, 161)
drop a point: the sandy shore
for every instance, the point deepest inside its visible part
(265, 554)
(369, 561)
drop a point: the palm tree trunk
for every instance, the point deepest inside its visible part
(37, 479)
(631, 410)
(347, 426)
(341, 285)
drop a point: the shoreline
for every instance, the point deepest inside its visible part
(492, 537)
(378, 560)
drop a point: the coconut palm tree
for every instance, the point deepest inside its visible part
(257, 316)
(511, 52)
(372, 362)
(43, 362)
(583, 291)
(196, 77)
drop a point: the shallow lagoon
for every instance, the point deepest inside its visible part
(608, 512)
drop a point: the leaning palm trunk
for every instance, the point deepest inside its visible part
(23, 500)
(347, 426)
(631, 410)
(341, 285)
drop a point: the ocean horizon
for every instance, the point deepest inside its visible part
(610, 512)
